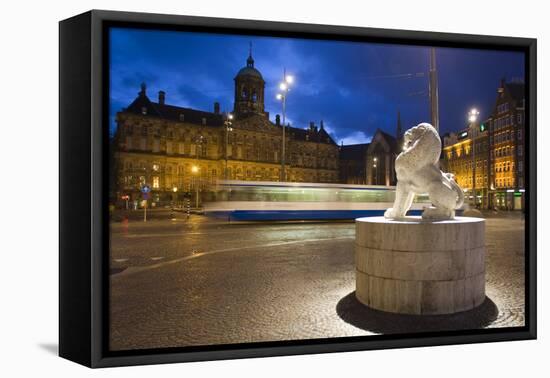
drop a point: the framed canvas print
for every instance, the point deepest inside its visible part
(234, 188)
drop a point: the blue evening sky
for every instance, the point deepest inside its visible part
(353, 87)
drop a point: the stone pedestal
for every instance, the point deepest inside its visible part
(420, 267)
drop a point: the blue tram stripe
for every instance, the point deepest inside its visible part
(282, 215)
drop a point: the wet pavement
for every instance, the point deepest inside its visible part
(178, 281)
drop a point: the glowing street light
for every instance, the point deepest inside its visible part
(284, 87)
(374, 166)
(228, 123)
(195, 171)
(472, 117)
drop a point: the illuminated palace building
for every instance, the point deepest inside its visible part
(177, 150)
(498, 161)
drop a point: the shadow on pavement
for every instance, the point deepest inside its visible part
(355, 313)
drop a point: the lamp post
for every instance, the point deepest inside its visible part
(195, 171)
(175, 196)
(472, 117)
(375, 170)
(284, 87)
(228, 122)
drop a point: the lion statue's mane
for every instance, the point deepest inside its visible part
(417, 169)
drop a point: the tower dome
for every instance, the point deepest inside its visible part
(249, 89)
(249, 70)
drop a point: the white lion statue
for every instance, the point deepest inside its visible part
(417, 169)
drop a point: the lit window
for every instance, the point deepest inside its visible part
(156, 182)
(144, 110)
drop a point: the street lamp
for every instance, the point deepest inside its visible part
(375, 170)
(472, 117)
(228, 122)
(284, 87)
(174, 196)
(195, 171)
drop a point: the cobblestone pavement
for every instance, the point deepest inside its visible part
(178, 282)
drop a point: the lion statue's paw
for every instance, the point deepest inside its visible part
(391, 213)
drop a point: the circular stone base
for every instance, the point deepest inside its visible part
(414, 266)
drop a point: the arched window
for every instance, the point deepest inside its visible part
(254, 96)
(244, 93)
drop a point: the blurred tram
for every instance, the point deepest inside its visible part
(261, 201)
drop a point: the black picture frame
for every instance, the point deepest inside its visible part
(83, 182)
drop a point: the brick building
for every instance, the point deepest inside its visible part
(507, 153)
(499, 152)
(460, 160)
